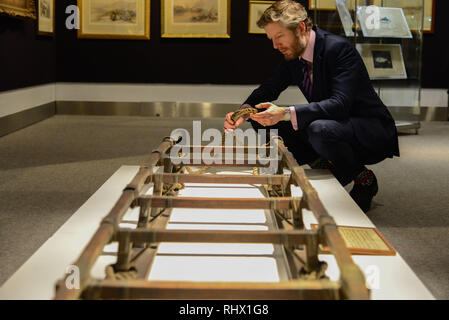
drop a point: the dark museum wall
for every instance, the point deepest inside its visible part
(28, 59)
(242, 59)
(435, 57)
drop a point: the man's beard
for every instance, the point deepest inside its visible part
(298, 48)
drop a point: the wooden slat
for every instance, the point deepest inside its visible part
(217, 203)
(241, 163)
(231, 149)
(286, 237)
(225, 178)
(142, 289)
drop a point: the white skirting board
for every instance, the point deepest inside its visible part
(22, 99)
(15, 101)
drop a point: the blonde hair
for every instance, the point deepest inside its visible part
(288, 13)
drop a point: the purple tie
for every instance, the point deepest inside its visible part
(306, 84)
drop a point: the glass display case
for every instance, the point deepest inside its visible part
(388, 34)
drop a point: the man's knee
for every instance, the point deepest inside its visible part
(320, 130)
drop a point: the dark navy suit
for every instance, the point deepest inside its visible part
(345, 121)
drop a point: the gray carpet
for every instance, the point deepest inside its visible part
(48, 170)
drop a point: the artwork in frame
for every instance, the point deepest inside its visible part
(412, 11)
(328, 4)
(391, 22)
(196, 18)
(19, 8)
(383, 61)
(429, 16)
(256, 9)
(118, 19)
(45, 17)
(429, 9)
(322, 4)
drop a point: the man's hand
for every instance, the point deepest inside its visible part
(269, 117)
(229, 124)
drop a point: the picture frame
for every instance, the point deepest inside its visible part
(429, 9)
(383, 61)
(392, 23)
(22, 8)
(196, 19)
(45, 17)
(328, 4)
(410, 12)
(105, 19)
(256, 9)
(429, 16)
(322, 4)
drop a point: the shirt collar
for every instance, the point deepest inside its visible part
(308, 53)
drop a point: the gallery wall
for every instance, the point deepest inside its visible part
(242, 59)
(435, 58)
(29, 60)
(26, 59)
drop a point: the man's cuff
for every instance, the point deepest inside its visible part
(293, 118)
(287, 116)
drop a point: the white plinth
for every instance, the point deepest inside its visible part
(388, 277)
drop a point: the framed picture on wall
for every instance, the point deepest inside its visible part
(412, 11)
(383, 61)
(322, 4)
(256, 9)
(20, 8)
(429, 16)
(45, 17)
(196, 18)
(120, 19)
(329, 4)
(391, 23)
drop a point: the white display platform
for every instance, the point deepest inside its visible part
(389, 277)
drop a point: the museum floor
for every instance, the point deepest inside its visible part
(48, 170)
